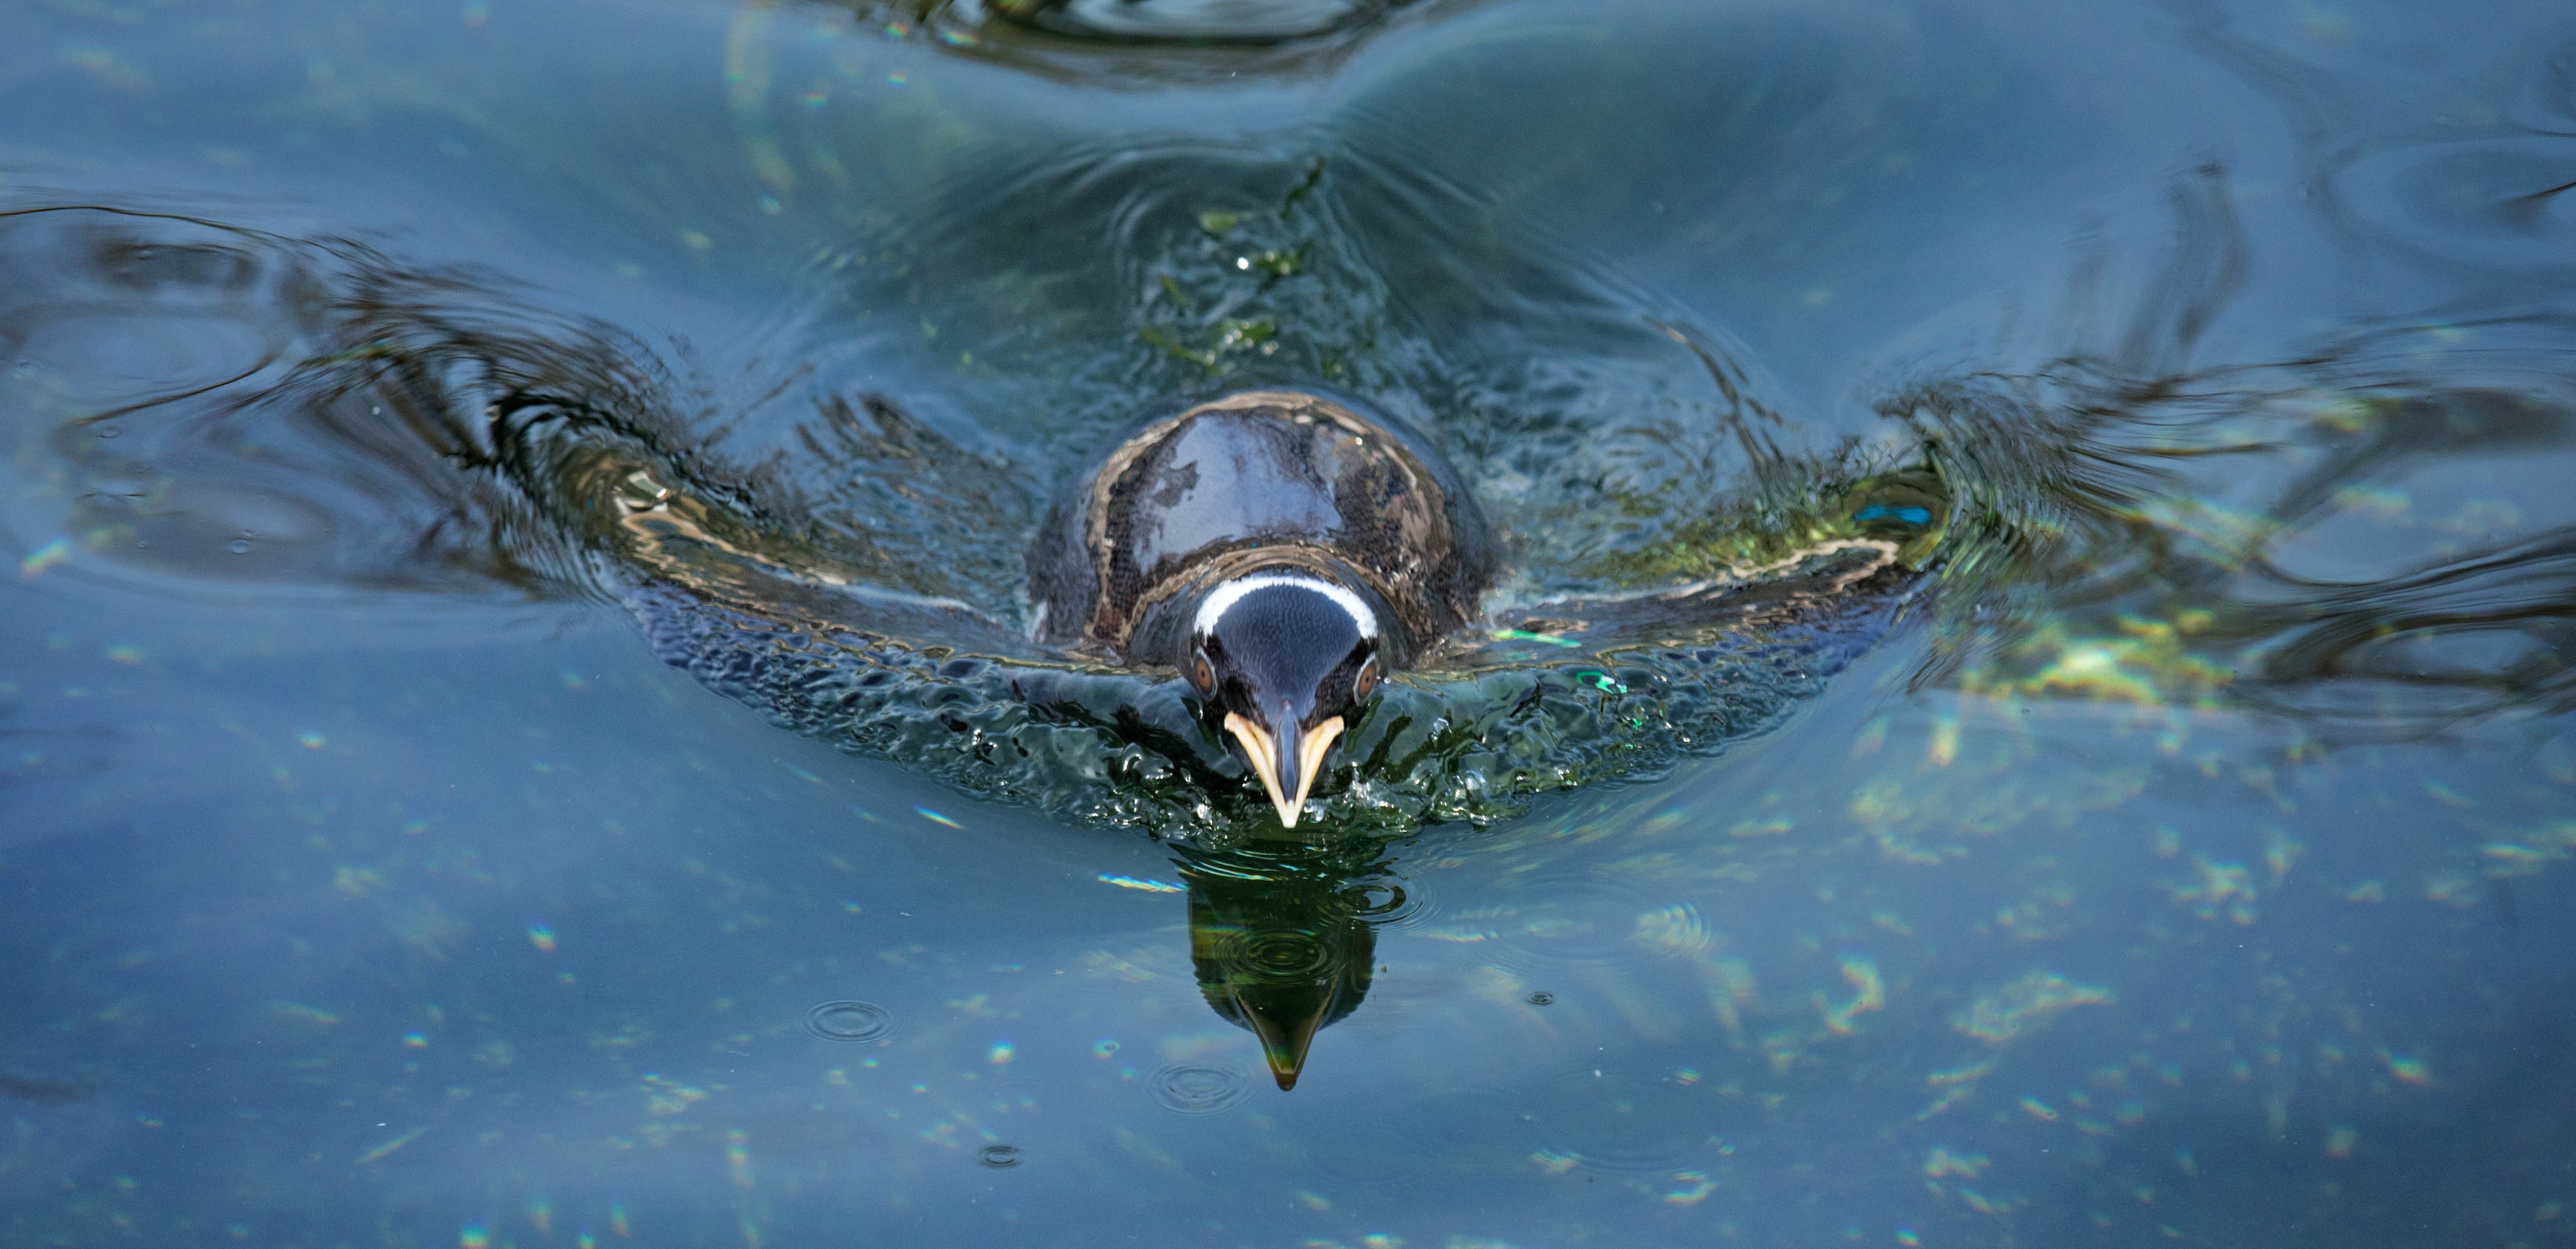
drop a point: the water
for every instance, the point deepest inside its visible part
(2183, 859)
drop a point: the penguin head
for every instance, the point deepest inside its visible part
(1282, 661)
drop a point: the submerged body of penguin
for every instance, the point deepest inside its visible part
(1280, 550)
(1283, 552)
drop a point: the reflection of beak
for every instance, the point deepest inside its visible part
(1284, 1039)
(1280, 775)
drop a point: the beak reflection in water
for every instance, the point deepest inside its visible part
(1287, 779)
(1283, 940)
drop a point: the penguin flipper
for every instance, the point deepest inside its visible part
(1806, 586)
(1003, 722)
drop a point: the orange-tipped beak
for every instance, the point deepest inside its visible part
(1263, 750)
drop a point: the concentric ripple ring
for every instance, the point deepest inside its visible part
(1198, 1088)
(849, 1021)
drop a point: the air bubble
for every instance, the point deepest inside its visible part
(998, 1157)
(238, 546)
(1542, 998)
(849, 1021)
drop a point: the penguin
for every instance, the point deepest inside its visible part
(1284, 551)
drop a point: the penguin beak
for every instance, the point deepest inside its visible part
(1282, 773)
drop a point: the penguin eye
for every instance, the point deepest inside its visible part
(1366, 683)
(1201, 675)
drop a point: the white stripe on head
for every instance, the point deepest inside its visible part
(1227, 595)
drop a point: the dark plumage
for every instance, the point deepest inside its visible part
(1279, 549)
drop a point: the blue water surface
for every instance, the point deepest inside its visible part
(2190, 867)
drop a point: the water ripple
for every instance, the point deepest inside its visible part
(1608, 1120)
(1564, 921)
(849, 1021)
(1196, 1088)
